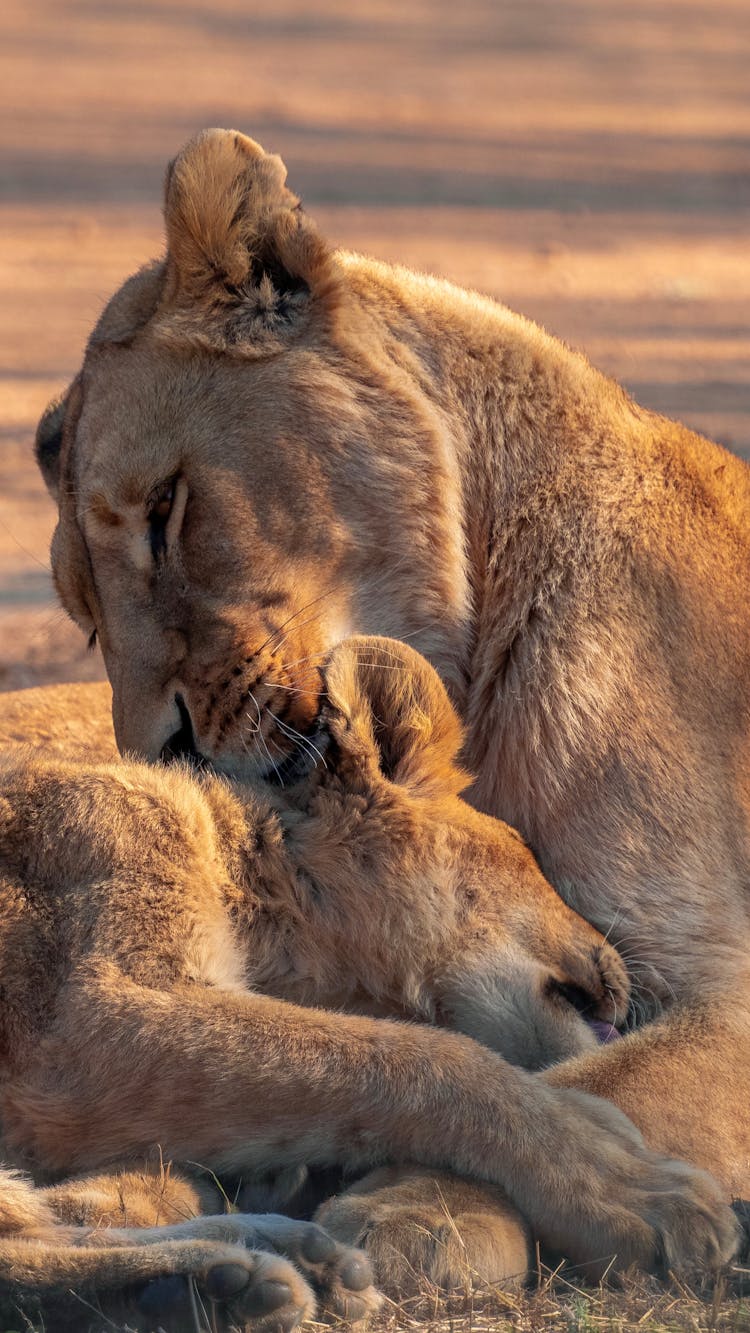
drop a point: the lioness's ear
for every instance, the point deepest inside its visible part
(237, 237)
(131, 307)
(48, 442)
(386, 701)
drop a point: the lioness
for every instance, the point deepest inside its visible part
(158, 935)
(272, 443)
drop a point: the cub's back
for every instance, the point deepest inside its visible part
(68, 721)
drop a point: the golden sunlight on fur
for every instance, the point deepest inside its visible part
(160, 933)
(148, 920)
(272, 444)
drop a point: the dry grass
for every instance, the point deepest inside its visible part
(562, 1305)
(557, 1303)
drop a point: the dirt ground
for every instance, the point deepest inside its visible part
(586, 161)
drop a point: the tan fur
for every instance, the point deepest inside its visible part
(158, 934)
(423, 1226)
(357, 447)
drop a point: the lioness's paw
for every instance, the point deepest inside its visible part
(611, 1202)
(236, 1288)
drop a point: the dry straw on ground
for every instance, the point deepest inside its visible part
(562, 1305)
(558, 1302)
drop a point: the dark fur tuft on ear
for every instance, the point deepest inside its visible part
(224, 195)
(386, 701)
(48, 442)
(243, 259)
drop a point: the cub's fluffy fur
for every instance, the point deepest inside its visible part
(158, 937)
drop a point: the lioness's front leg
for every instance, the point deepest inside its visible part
(684, 1080)
(270, 1084)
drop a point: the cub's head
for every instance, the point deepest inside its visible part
(422, 903)
(245, 472)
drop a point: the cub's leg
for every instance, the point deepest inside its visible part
(239, 1265)
(58, 1273)
(160, 1206)
(271, 1084)
(416, 1224)
(147, 1198)
(338, 1274)
(24, 1211)
(60, 1283)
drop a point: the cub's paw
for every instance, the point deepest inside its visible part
(424, 1228)
(225, 1287)
(339, 1274)
(607, 1201)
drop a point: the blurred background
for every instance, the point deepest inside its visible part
(585, 161)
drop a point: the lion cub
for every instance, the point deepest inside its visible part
(163, 936)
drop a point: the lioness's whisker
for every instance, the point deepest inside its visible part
(645, 999)
(295, 735)
(312, 657)
(42, 564)
(262, 738)
(383, 666)
(615, 920)
(300, 611)
(327, 592)
(423, 629)
(301, 625)
(612, 997)
(633, 961)
(293, 689)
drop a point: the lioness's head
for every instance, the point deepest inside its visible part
(408, 898)
(245, 473)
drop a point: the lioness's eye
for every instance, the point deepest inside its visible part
(158, 509)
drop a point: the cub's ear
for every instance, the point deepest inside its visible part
(48, 442)
(387, 706)
(238, 241)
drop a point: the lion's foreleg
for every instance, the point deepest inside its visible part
(685, 1081)
(239, 1082)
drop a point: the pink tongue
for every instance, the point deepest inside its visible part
(604, 1032)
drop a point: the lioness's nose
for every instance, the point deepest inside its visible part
(181, 744)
